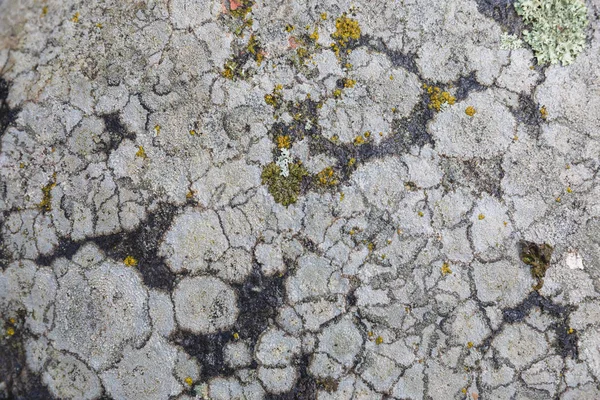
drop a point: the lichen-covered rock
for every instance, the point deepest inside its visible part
(204, 305)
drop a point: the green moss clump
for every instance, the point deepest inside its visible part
(557, 28)
(538, 257)
(284, 189)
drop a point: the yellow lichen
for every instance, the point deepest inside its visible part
(480, 217)
(99, 25)
(236, 335)
(254, 49)
(379, 340)
(46, 203)
(438, 98)
(544, 112)
(327, 177)
(571, 331)
(349, 83)
(157, 129)
(44, 10)
(189, 381)
(337, 93)
(569, 190)
(351, 161)
(75, 18)
(315, 35)
(10, 331)
(141, 152)
(470, 111)
(275, 98)
(421, 213)
(289, 28)
(283, 142)
(346, 29)
(359, 140)
(367, 134)
(470, 345)
(446, 269)
(323, 16)
(130, 261)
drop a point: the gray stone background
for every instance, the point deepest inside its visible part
(143, 253)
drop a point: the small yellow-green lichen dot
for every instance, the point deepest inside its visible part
(130, 261)
(367, 134)
(359, 140)
(544, 112)
(10, 331)
(337, 93)
(189, 381)
(470, 111)
(236, 336)
(480, 217)
(571, 331)
(349, 83)
(99, 25)
(75, 18)
(327, 177)
(323, 16)
(470, 345)
(46, 203)
(558, 199)
(141, 152)
(342, 195)
(446, 269)
(351, 161)
(421, 213)
(569, 190)
(156, 130)
(379, 340)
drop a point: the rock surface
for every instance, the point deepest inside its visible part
(251, 199)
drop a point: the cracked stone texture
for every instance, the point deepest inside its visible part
(143, 255)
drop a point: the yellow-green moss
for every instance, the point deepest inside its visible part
(46, 203)
(284, 189)
(538, 257)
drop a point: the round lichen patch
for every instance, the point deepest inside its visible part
(557, 28)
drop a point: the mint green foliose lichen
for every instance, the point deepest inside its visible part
(510, 42)
(557, 28)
